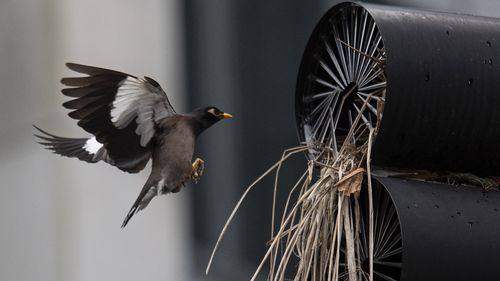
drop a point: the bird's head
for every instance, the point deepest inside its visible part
(207, 116)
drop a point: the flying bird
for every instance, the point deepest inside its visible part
(131, 121)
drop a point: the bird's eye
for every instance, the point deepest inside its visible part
(212, 111)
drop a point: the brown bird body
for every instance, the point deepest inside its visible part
(172, 158)
(132, 120)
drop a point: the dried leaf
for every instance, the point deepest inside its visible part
(352, 182)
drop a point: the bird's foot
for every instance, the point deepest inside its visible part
(197, 170)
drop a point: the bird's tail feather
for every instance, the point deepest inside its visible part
(147, 193)
(130, 214)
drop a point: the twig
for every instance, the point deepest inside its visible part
(291, 152)
(370, 204)
(360, 52)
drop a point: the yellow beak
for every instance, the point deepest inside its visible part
(226, 115)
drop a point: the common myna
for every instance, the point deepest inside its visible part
(132, 120)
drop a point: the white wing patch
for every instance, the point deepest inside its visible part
(92, 146)
(137, 99)
(126, 102)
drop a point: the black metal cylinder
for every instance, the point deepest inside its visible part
(442, 99)
(442, 108)
(448, 232)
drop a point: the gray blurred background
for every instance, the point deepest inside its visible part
(60, 218)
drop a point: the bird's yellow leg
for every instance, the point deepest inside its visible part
(197, 170)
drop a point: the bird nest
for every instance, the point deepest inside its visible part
(320, 224)
(321, 227)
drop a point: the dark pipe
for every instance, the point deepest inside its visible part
(442, 109)
(448, 232)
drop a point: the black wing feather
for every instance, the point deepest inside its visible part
(94, 71)
(83, 102)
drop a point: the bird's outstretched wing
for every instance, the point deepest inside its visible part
(119, 109)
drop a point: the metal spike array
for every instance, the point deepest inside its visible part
(349, 73)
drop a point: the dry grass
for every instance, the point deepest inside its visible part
(447, 177)
(312, 228)
(318, 219)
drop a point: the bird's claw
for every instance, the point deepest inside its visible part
(197, 170)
